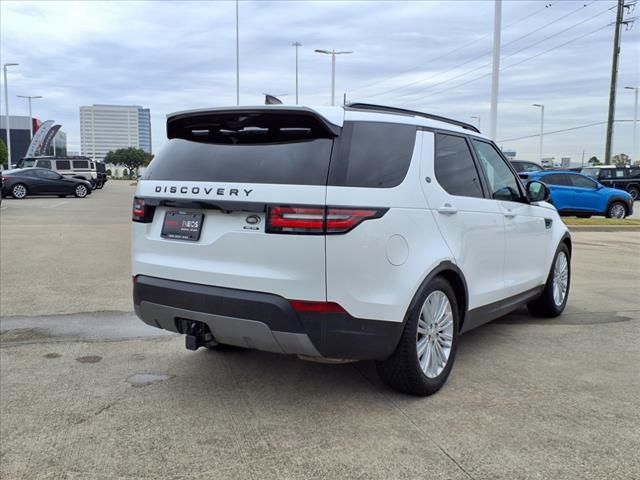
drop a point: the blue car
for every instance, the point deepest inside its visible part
(576, 194)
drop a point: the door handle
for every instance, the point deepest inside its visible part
(509, 214)
(447, 209)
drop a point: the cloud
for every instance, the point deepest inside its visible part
(171, 56)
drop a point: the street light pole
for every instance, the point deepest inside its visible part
(237, 54)
(541, 107)
(477, 117)
(6, 111)
(30, 97)
(495, 74)
(635, 125)
(296, 44)
(333, 54)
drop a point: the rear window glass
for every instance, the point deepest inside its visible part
(80, 164)
(63, 165)
(372, 154)
(454, 167)
(303, 162)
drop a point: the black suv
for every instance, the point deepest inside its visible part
(101, 175)
(623, 178)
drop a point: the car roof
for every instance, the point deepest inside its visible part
(357, 112)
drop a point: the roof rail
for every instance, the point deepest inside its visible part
(403, 111)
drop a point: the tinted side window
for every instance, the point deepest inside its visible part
(80, 164)
(502, 182)
(47, 174)
(556, 179)
(44, 164)
(606, 173)
(582, 182)
(372, 154)
(454, 167)
(63, 165)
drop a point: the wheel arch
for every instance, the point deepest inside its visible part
(452, 274)
(566, 239)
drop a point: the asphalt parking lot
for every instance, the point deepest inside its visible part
(88, 391)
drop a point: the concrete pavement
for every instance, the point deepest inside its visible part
(101, 395)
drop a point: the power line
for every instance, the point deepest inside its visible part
(489, 52)
(514, 53)
(514, 64)
(418, 67)
(559, 131)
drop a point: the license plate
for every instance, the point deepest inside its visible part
(182, 226)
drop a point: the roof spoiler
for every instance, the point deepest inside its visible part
(215, 124)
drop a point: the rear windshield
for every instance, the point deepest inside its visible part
(294, 163)
(284, 149)
(590, 172)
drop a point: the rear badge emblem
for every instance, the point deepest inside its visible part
(253, 219)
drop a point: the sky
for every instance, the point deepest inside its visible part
(433, 56)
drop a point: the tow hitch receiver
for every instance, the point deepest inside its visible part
(197, 333)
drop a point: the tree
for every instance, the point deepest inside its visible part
(132, 158)
(3, 152)
(594, 161)
(621, 159)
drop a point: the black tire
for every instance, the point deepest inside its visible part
(19, 191)
(221, 347)
(402, 370)
(614, 208)
(583, 215)
(545, 305)
(81, 191)
(100, 185)
(634, 191)
(62, 196)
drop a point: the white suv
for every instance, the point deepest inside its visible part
(356, 232)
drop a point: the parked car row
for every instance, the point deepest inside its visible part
(62, 176)
(73, 167)
(604, 190)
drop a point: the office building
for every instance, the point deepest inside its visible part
(104, 128)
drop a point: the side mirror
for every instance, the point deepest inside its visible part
(537, 192)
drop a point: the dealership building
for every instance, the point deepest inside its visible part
(104, 128)
(21, 136)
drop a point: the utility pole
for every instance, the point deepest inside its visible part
(614, 78)
(296, 44)
(6, 111)
(333, 54)
(495, 75)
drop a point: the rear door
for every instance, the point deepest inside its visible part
(471, 222)
(236, 199)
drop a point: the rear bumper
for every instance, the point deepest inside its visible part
(262, 321)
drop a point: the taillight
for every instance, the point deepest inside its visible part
(309, 220)
(318, 220)
(316, 307)
(341, 220)
(141, 213)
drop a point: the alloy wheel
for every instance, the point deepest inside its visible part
(560, 278)
(618, 211)
(435, 334)
(19, 191)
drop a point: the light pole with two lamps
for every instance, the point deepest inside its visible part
(30, 97)
(333, 54)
